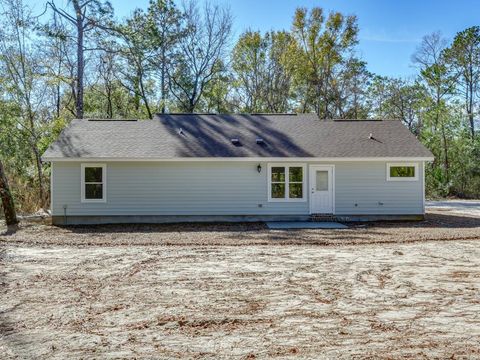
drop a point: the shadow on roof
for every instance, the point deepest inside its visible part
(210, 136)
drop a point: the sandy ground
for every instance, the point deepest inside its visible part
(462, 207)
(416, 300)
(384, 290)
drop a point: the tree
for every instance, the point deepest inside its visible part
(167, 31)
(249, 64)
(202, 47)
(137, 48)
(350, 89)
(106, 97)
(216, 95)
(321, 46)
(7, 201)
(398, 99)
(20, 66)
(262, 78)
(440, 83)
(464, 56)
(89, 15)
(279, 77)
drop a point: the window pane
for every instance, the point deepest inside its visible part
(278, 191)
(296, 174)
(402, 171)
(93, 191)
(295, 191)
(278, 174)
(322, 180)
(93, 174)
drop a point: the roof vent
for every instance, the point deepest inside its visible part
(180, 131)
(260, 141)
(371, 137)
(235, 141)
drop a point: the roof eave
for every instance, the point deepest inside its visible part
(325, 159)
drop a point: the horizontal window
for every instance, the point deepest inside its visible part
(402, 172)
(93, 183)
(286, 182)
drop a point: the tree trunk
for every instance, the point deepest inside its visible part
(144, 98)
(136, 91)
(80, 60)
(191, 106)
(109, 102)
(470, 109)
(58, 100)
(38, 163)
(164, 95)
(7, 201)
(446, 161)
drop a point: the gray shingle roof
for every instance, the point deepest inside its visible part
(190, 135)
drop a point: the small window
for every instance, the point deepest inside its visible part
(93, 183)
(402, 172)
(286, 182)
(322, 180)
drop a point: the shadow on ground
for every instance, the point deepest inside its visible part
(436, 226)
(432, 220)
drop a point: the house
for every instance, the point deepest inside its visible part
(248, 167)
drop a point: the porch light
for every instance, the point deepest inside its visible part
(259, 168)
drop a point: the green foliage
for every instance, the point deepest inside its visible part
(321, 54)
(262, 77)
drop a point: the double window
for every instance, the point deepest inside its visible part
(94, 188)
(402, 172)
(286, 182)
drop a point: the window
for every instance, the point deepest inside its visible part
(286, 182)
(322, 180)
(93, 182)
(402, 172)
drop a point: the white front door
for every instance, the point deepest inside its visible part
(321, 189)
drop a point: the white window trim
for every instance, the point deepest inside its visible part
(104, 183)
(389, 178)
(286, 166)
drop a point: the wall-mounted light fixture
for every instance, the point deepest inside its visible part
(259, 168)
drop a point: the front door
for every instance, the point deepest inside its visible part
(321, 189)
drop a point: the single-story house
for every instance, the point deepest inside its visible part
(245, 167)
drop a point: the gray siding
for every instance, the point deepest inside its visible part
(226, 188)
(365, 185)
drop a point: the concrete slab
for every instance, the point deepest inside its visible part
(278, 225)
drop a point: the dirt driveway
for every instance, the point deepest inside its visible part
(462, 207)
(83, 293)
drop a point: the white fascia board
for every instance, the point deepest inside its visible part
(229, 159)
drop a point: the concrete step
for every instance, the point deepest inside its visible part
(323, 217)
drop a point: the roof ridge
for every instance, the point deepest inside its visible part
(233, 114)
